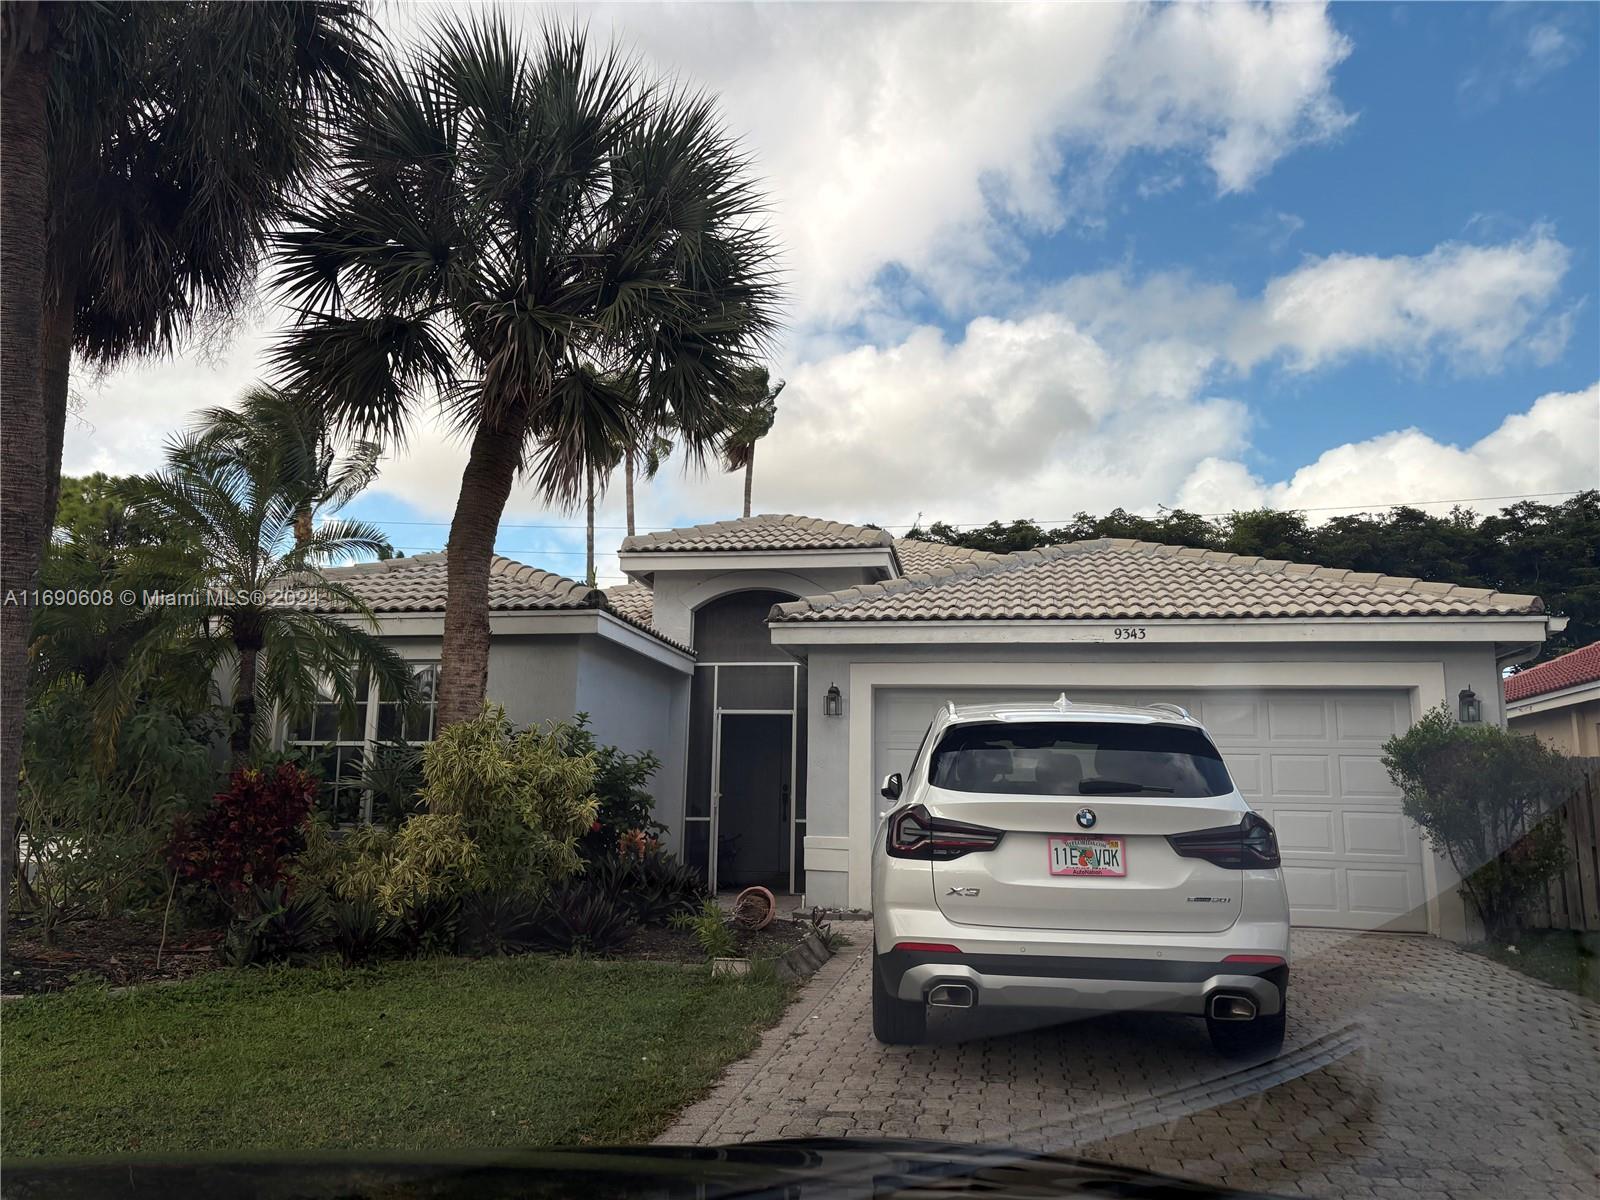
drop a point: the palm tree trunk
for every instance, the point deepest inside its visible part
(749, 472)
(244, 703)
(627, 465)
(485, 487)
(55, 382)
(589, 526)
(24, 173)
(303, 528)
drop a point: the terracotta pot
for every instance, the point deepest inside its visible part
(754, 908)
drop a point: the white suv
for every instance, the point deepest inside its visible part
(1085, 858)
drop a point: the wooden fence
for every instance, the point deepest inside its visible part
(1574, 897)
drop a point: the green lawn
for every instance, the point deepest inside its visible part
(528, 1051)
(1557, 956)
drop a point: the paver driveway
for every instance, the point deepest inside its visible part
(1411, 1067)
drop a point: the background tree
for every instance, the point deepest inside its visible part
(239, 513)
(581, 435)
(646, 453)
(1547, 550)
(757, 400)
(498, 217)
(148, 149)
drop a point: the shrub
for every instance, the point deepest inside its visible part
(245, 837)
(519, 797)
(710, 929)
(500, 923)
(362, 931)
(578, 917)
(431, 926)
(393, 774)
(621, 787)
(1484, 798)
(282, 929)
(97, 825)
(655, 887)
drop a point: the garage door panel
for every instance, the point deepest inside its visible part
(1301, 775)
(1309, 760)
(1303, 831)
(1364, 776)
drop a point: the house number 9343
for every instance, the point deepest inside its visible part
(1128, 633)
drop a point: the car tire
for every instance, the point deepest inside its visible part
(1258, 1039)
(896, 1022)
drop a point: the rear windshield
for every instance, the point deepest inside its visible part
(1079, 759)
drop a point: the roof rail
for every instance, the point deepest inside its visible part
(950, 708)
(1062, 703)
(1176, 709)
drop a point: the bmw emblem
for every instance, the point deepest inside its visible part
(1086, 818)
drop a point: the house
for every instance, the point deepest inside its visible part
(1559, 701)
(780, 666)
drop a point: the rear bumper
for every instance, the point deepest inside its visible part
(1082, 984)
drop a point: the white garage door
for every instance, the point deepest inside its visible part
(1306, 759)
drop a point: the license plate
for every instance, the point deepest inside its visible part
(1087, 856)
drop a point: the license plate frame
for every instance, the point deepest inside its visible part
(1114, 845)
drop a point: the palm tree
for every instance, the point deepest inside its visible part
(148, 150)
(643, 457)
(322, 473)
(581, 434)
(499, 217)
(758, 409)
(237, 510)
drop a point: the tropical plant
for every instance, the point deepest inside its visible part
(278, 928)
(710, 928)
(582, 433)
(522, 799)
(502, 220)
(432, 926)
(643, 457)
(1485, 797)
(575, 917)
(757, 409)
(625, 804)
(96, 824)
(361, 930)
(246, 836)
(319, 473)
(234, 504)
(392, 773)
(146, 151)
(500, 923)
(655, 887)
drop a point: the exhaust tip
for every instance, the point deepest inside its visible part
(952, 995)
(1232, 1008)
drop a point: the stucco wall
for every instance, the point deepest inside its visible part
(536, 678)
(1574, 729)
(679, 593)
(638, 705)
(828, 758)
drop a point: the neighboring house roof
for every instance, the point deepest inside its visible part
(767, 531)
(633, 601)
(918, 557)
(1569, 670)
(419, 585)
(1120, 579)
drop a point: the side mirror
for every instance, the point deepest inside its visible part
(893, 785)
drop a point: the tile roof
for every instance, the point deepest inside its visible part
(767, 531)
(419, 585)
(634, 601)
(918, 557)
(1120, 579)
(1569, 670)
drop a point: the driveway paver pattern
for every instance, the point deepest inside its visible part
(1411, 1068)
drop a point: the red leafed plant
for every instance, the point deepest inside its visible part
(247, 833)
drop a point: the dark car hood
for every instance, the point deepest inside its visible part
(789, 1169)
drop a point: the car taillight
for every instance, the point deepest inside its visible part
(1248, 845)
(916, 833)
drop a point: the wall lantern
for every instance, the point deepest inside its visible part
(1470, 712)
(832, 702)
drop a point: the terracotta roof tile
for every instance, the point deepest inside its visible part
(768, 531)
(1569, 670)
(1120, 579)
(918, 557)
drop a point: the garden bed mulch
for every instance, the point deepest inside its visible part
(654, 944)
(116, 950)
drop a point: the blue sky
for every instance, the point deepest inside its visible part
(1068, 258)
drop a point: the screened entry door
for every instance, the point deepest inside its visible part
(754, 800)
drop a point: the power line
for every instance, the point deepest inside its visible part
(1052, 521)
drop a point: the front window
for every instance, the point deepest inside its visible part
(342, 745)
(1078, 758)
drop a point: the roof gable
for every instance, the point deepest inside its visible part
(1121, 579)
(1569, 670)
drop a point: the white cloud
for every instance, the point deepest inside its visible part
(1552, 447)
